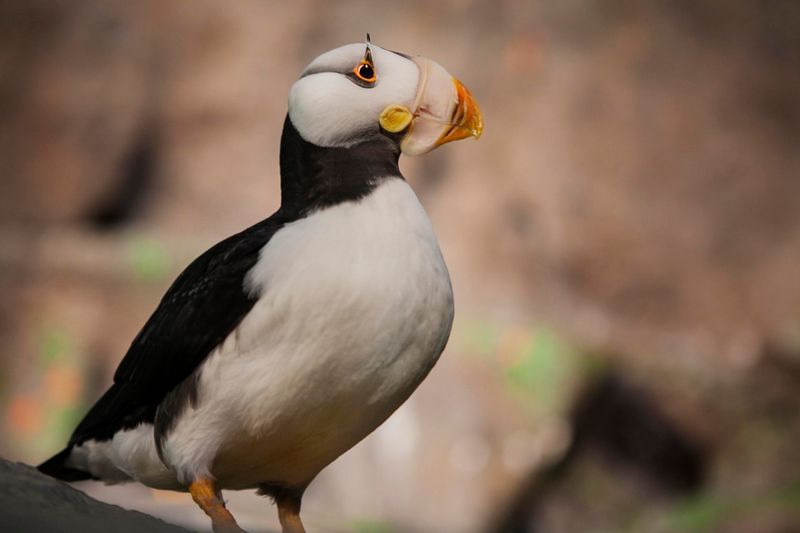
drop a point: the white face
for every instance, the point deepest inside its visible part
(329, 108)
(333, 105)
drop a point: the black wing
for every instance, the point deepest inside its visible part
(204, 304)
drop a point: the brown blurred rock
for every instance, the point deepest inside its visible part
(643, 171)
(78, 82)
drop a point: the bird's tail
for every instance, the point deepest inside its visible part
(56, 467)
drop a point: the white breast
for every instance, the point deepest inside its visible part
(355, 307)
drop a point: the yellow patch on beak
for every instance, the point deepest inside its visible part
(395, 118)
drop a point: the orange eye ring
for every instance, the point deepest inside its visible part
(365, 72)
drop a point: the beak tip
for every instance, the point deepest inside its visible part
(471, 119)
(477, 131)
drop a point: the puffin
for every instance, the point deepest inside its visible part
(284, 345)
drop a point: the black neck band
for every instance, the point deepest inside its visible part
(314, 177)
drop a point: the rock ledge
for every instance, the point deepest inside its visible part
(31, 501)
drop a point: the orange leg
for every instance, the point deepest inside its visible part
(289, 514)
(207, 496)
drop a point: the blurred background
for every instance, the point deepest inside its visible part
(624, 243)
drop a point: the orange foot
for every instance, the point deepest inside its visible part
(205, 494)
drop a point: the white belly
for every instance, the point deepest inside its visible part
(355, 307)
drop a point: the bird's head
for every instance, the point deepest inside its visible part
(358, 92)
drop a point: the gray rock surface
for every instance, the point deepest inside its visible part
(30, 501)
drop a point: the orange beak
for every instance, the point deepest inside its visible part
(466, 121)
(442, 111)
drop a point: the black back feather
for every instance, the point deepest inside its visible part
(204, 304)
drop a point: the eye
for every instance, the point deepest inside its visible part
(365, 72)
